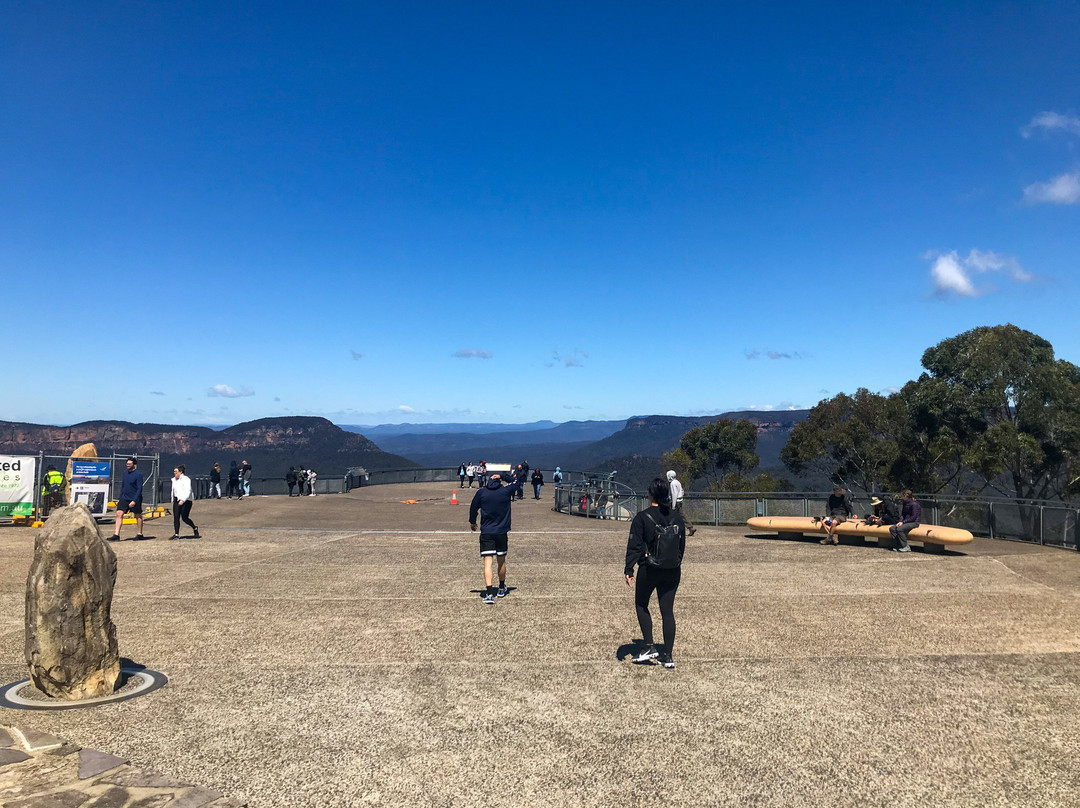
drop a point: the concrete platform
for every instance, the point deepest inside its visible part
(333, 651)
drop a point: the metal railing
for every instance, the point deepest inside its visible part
(1038, 521)
(149, 465)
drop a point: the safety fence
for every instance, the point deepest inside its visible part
(597, 496)
(1037, 521)
(97, 490)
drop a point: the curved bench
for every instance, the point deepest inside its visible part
(933, 537)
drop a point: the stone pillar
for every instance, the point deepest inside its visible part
(70, 636)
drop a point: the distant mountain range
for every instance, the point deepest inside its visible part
(633, 447)
(451, 444)
(271, 445)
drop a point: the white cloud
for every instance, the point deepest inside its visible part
(225, 391)
(952, 274)
(1061, 190)
(1052, 121)
(471, 353)
(405, 408)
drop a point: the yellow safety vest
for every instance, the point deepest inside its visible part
(52, 478)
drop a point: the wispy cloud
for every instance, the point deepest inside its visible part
(952, 275)
(405, 408)
(759, 353)
(1061, 190)
(471, 353)
(572, 407)
(1052, 121)
(575, 359)
(156, 393)
(225, 391)
(356, 355)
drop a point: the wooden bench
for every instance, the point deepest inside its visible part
(933, 537)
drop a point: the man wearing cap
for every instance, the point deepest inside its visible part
(493, 502)
(677, 500)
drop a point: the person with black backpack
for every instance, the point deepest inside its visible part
(656, 546)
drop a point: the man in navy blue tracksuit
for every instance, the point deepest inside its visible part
(493, 502)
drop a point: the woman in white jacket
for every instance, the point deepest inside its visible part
(181, 502)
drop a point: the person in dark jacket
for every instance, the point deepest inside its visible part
(665, 582)
(245, 479)
(521, 477)
(537, 482)
(234, 480)
(130, 499)
(290, 479)
(493, 503)
(837, 510)
(215, 481)
(910, 516)
(885, 512)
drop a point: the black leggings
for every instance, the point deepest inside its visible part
(666, 584)
(181, 512)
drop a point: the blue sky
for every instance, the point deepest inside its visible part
(214, 212)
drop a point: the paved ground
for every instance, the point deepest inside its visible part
(332, 651)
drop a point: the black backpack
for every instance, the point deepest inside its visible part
(664, 554)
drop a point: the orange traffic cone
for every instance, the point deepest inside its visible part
(453, 498)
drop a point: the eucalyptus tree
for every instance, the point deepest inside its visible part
(1007, 408)
(715, 450)
(852, 440)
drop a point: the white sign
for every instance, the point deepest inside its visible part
(17, 485)
(95, 495)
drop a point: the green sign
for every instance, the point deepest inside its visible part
(17, 485)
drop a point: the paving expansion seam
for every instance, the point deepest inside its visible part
(1024, 577)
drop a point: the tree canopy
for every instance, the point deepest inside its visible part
(852, 440)
(714, 450)
(994, 410)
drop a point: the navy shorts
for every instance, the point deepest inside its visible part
(493, 544)
(123, 507)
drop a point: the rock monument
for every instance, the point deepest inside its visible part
(70, 636)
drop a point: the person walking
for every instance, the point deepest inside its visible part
(492, 502)
(290, 479)
(677, 500)
(481, 474)
(537, 483)
(181, 502)
(521, 477)
(656, 546)
(461, 474)
(470, 472)
(910, 516)
(234, 480)
(215, 481)
(130, 499)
